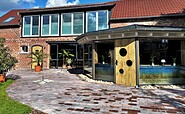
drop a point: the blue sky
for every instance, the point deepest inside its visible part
(7, 5)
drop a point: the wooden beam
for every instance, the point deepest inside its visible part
(95, 59)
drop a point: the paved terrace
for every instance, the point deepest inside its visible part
(70, 95)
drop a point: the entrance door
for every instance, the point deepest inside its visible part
(34, 49)
(53, 56)
(125, 69)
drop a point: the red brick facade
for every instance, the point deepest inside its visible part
(14, 42)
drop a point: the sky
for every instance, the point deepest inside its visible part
(7, 5)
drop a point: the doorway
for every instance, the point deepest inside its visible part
(34, 49)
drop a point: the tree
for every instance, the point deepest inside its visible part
(7, 61)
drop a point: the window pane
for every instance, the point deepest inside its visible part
(24, 49)
(45, 25)
(102, 20)
(27, 21)
(54, 24)
(78, 23)
(66, 24)
(35, 25)
(91, 18)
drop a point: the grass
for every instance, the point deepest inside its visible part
(9, 106)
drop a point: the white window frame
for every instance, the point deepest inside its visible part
(31, 26)
(72, 21)
(96, 19)
(49, 24)
(21, 50)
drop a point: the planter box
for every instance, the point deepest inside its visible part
(2, 77)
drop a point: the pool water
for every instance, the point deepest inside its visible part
(162, 75)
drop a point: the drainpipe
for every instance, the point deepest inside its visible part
(137, 62)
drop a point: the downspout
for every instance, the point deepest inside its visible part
(137, 62)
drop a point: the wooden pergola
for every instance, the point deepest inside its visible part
(126, 39)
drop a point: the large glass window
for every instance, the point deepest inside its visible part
(78, 23)
(35, 25)
(54, 24)
(102, 20)
(72, 23)
(91, 21)
(97, 20)
(67, 23)
(50, 25)
(27, 25)
(45, 25)
(31, 25)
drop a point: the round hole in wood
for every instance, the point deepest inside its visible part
(121, 71)
(129, 63)
(123, 52)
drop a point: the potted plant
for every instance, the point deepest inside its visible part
(152, 58)
(38, 57)
(7, 62)
(174, 61)
(103, 59)
(67, 57)
(69, 61)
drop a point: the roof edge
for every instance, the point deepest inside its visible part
(148, 17)
(64, 8)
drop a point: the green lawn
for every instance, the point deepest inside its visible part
(9, 106)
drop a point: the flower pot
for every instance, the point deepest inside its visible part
(174, 64)
(2, 77)
(38, 68)
(69, 67)
(64, 66)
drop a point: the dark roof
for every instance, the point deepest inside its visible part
(14, 21)
(146, 8)
(124, 9)
(84, 7)
(132, 31)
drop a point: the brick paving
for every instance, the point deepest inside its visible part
(70, 95)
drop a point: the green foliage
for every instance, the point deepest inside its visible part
(9, 106)
(7, 61)
(173, 59)
(66, 55)
(38, 57)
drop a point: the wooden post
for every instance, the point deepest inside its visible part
(83, 58)
(95, 59)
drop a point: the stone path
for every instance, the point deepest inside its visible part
(69, 95)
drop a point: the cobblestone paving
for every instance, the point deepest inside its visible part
(69, 95)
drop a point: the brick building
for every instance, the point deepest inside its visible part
(56, 28)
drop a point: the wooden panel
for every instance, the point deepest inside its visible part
(129, 75)
(95, 59)
(95, 55)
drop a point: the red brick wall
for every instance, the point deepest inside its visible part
(14, 41)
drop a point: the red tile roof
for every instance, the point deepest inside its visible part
(12, 13)
(146, 8)
(123, 9)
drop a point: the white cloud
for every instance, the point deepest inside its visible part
(36, 7)
(20, 1)
(29, 1)
(6, 5)
(54, 3)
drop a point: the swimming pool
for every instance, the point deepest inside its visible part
(162, 75)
